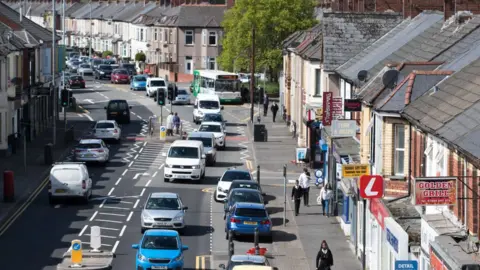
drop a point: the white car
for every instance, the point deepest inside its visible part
(92, 150)
(107, 130)
(163, 210)
(69, 180)
(224, 183)
(183, 97)
(155, 84)
(84, 69)
(186, 160)
(217, 129)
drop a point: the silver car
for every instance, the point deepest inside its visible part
(208, 139)
(107, 130)
(85, 69)
(91, 150)
(163, 210)
(183, 97)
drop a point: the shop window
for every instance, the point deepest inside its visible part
(399, 155)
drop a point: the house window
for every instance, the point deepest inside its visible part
(141, 35)
(165, 35)
(155, 34)
(212, 63)
(318, 82)
(124, 52)
(212, 38)
(399, 162)
(189, 37)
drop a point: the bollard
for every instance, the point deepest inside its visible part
(255, 241)
(231, 245)
(48, 154)
(258, 174)
(8, 187)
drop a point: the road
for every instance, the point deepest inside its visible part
(42, 233)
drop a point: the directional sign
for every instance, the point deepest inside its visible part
(77, 252)
(371, 186)
(138, 174)
(163, 133)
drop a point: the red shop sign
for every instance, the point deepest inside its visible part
(379, 211)
(327, 108)
(435, 262)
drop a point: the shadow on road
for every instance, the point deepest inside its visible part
(197, 230)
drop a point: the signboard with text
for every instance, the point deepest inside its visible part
(406, 265)
(355, 170)
(344, 128)
(352, 105)
(337, 108)
(327, 114)
(435, 191)
(371, 186)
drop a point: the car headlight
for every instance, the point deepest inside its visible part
(146, 217)
(168, 165)
(222, 190)
(196, 167)
(101, 72)
(178, 217)
(179, 258)
(142, 258)
(200, 113)
(210, 152)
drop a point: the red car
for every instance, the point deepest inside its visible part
(120, 76)
(76, 81)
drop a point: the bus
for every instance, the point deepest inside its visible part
(224, 84)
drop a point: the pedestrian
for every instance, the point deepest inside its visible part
(265, 104)
(274, 110)
(297, 193)
(303, 179)
(170, 124)
(176, 123)
(324, 259)
(184, 135)
(325, 195)
(306, 189)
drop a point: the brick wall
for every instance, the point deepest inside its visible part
(417, 154)
(389, 145)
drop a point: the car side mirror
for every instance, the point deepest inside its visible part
(185, 208)
(221, 266)
(184, 248)
(135, 246)
(204, 156)
(105, 107)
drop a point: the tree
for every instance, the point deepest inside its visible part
(140, 57)
(107, 53)
(274, 21)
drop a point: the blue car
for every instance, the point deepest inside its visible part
(160, 249)
(138, 83)
(243, 218)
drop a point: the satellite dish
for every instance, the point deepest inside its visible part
(362, 75)
(389, 78)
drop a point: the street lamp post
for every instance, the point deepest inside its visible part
(55, 96)
(91, 34)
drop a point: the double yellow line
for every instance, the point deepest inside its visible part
(249, 165)
(200, 262)
(4, 227)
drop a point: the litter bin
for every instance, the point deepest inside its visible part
(259, 133)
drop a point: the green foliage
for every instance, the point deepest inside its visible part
(107, 53)
(274, 21)
(140, 57)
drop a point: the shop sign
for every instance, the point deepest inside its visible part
(319, 114)
(392, 240)
(301, 154)
(344, 128)
(435, 191)
(327, 114)
(409, 265)
(337, 108)
(397, 238)
(435, 262)
(352, 105)
(379, 211)
(355, 170)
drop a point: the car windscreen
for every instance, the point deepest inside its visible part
(243, 196)
(207, 142)
(210, 128)
(157, 83)
(251, 212)
(105, 67)
(128, 66)
(253, 185)
(183, 152)
(117, 106)
(236, 175)
(97, 62)
(139, 79)
(66, 174)
(209, 104)
(89, 146)
(160, 242)
(105, 125)
(162, 204)
(212, 118)
(182, 92)
(122, 71)
(85, 66)
(76, 78)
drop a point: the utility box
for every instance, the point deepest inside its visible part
(260, 133)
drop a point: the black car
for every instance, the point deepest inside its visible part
(246, 184)
(95, 63)
(103, 71)
(76, 81)
(239, 195)
(118, 110)
(130, 68)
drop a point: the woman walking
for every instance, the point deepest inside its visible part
(326, 194)
(324, 257)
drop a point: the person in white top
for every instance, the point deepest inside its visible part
(304, 180)
(326, 194)
(170, 124)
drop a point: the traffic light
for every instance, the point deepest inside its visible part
(170, 92)
(65, 97)
(161, 97)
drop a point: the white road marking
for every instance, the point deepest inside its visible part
(115, 246)
(148, 183)
(133, 113)
(104, 236)
(83, 230)
(125, 202)
(89, 117)
(114, 207)
(94, 215)
(111, 221)
(57, 206)
(118, 181)
(161, 166)
(154, 174)
(136, 157)
(80, 115)
(129, 216)
(122, 231)
(112, 214)
(130, 165)
(88, 243)
(143, 191)
(111, 191)
(124, 172)
(145, 143)
(136, 203)
(141, 150)
(103, 203)
(109, 229)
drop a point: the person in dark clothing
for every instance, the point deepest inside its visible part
(274, 109)
(297, 193)
(265, 104)
(324, 259)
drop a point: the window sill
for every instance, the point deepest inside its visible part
(317, 96)
(212, 45)
(189, 45)
(397, 177)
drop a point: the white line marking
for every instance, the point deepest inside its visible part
(104, 236)
(130, 165)
(89, 117)
(154, 174)
(118, 181)
(115, 246)
(133, 113)
(141, 150)
(122, 231)
(111, 221)
(80, 115)
(111, 191)
(109, 229)
(136, 157)
(145, 143)
(83, 230)
(112, 214)
(148, 183)
(125, 202)
(161, 166)
(94, 215)
(106, 245)
(124, 172)
(57, 206)
(136, 203)
(143, 191)
(129, 216)
(103, 203)
(114, 207)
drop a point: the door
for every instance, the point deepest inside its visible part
(188, 65)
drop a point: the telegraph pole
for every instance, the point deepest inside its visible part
(55, 95)
(252, 76)
(91, 34)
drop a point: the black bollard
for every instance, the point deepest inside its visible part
(258, 174)
(231, 245)
(255, 242)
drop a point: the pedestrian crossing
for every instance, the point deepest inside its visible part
(150, 155)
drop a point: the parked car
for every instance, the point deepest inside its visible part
(109, 61)
(250, 184)
(160, 249)
(186, 160)
(241, 195)
(130, 68)
(84, 59)
(91, 150)
(76, 81)
(183, 97)
(95, 62)
(244, 218)
(120, 76)
(223, 185)
(107, 130)
(217, 129)
(85, 69)
(240, 259)
(103, 71)
(138, 83)
(118, 110)
(163, 210)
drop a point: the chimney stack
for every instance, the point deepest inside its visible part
(448, 9)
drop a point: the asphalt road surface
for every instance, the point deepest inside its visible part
(42, 233)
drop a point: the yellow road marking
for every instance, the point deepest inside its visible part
(23, 207)
(208, 190)
(248, 118)
(83, 109)
(200, 262)
(248, 164)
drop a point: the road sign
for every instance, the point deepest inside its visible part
(355, 170)
(163, 133)
(371, 186)
(77, 252)
(95, 238)
(406, 265)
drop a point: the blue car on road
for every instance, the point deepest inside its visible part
(160, 249)
(138, 83)
(243, 218)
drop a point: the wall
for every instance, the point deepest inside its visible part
(389, 145)
(365, 133)
(200, 50)
(428, 235)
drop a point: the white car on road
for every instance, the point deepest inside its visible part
(107, 130)
(69, 180)
(224, 183)
(91, 150)
(217, 129)
(186, 160)
(85, 69)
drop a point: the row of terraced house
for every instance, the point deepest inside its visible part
(412, 89)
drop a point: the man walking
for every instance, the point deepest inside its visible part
(304, 180)
(176, 123)
(170, 124)
(297, 196)
(274, 109)
(265, 104)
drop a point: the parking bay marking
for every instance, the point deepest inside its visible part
(111, 214)
(104, 236)
(110, 221)
(115, 207)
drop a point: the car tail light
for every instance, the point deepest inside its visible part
(78, 150)
(265, 222)
(115, 131)
(99, 150)
(84, 184)
(234, 220)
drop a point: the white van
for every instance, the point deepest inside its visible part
(155, 84)
(185, 160)
(69, 180)
(205, 103)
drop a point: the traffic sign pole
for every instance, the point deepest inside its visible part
(364, 236)
(76, 253)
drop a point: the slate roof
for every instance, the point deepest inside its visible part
(451, 111)
(347, 34)
(8, 45)
(465, 51)
(412, 87)
(383, 47)
(292, 41)
(407, 217)
(134, 11)
(85, 9)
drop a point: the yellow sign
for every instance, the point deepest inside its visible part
(355, 170)
(319, 114)
(76, 252)
(163, 133)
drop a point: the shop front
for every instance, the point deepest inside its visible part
(312, 122)
(397, 242)
(378, 237)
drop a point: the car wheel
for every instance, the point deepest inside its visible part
(142, 230)
(166, 180)
(85, 198)
(146, 94)
(226, 235)
(215, 196)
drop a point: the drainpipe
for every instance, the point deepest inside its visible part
(409, 167)
(465, 192)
